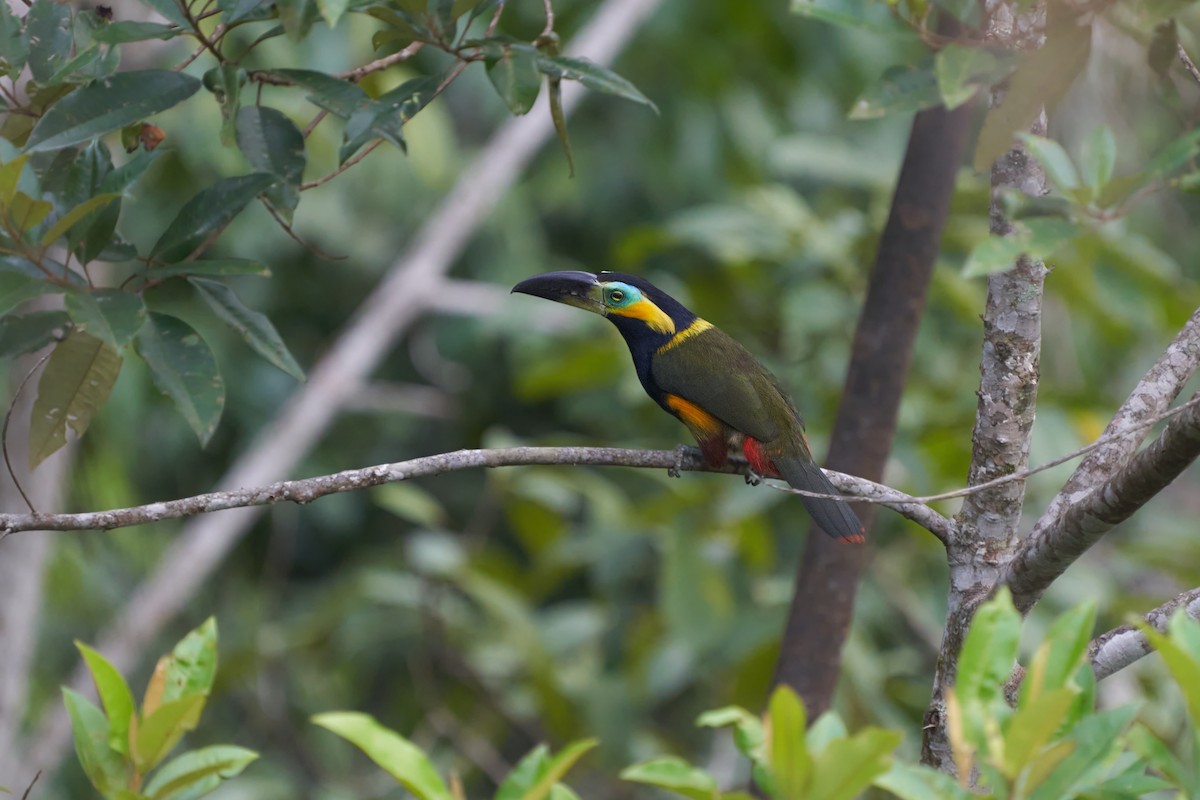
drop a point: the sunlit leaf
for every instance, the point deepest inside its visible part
(397, 756)
(190, 768)
(185, 370)
(787, 750)
(109, 104)
(104, 767)
(252, 326)
(675, 775)
(114, 696)
(72, 389)
(158, 732)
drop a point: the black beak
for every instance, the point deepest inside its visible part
(575, 288)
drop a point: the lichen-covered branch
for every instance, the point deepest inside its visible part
(986, 530)
(1115, 650)
(1042, 559)
(306, 490)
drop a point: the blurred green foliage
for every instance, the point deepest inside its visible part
(484, 613)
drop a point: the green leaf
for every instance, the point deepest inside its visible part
(400, 758)
(171, 11)
(273, 144)
(1041, 80)
(787, 751)
(591, 75)
(10, 176)
(338, 97)
(516, 78)
(14, 41)
(1054, 159)
(159, 732)
(73, 217)
(188, 769)
(1099, 157)
(1178, 153)
(748, 734)
(109, 104)
(185, 370)
(1038, 238)
(26, 213)
(962, 71)
(191, 667)
(89, 728)
(848, 766)
(1096, 739)
(74, 386)
(19, 287)
(110, 314)
(332, 10)
(122, 32)
(1157, 755)
(858, 15)
(207, 213)
(675, 775)
(114, 696)
(225, 81)
(24, 333)
(1183, 665)
(1066, 642)
(901, 89)
(919, 782)
(536, 775)
(49, 31)
(1031, 728)
(252, 326)
(990, 650)
(216, 266)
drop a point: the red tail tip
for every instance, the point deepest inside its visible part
(856, 538)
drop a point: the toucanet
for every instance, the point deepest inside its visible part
(712, 384)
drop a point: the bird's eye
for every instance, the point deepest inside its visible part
(616, 295)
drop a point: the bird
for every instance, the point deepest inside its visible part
(708, 381)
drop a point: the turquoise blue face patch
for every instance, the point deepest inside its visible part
(620, 295)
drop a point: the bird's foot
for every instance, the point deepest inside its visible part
(675, 470)
(753, 478)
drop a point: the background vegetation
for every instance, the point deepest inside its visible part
(480, 613)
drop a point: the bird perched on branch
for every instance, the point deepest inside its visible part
(708, 381)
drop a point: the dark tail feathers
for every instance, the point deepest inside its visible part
(832, 516)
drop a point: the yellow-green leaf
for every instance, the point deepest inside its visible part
(73, 388)
(72, 217)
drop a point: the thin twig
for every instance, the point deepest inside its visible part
(12, 473)
(357, 74)
(549, 29)
(1188, 64)
(350, 162)
(312, 248)
(36, 775)
(310, 127)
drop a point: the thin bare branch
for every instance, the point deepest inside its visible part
(1115, 650)
(307, 490)
(357, 74)
(1040, 560)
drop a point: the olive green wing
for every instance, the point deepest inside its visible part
(720, 376)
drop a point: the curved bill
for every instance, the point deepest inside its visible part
(572, 287)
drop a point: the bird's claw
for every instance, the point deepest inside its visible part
(753, 478)
(675, 470)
